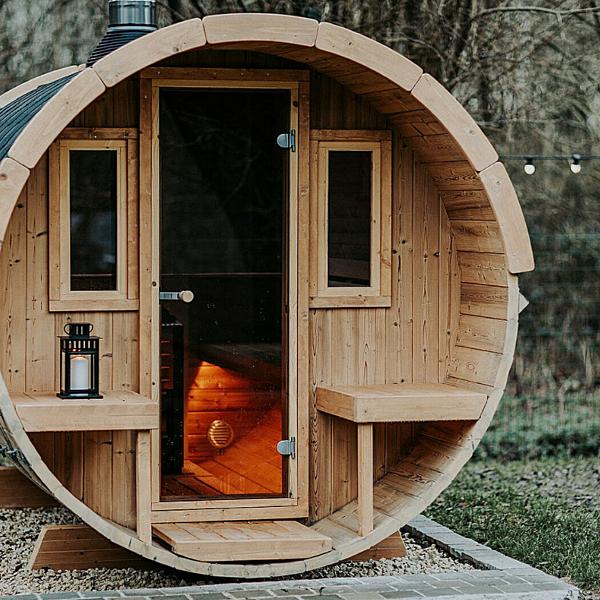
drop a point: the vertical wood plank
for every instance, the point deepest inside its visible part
(302, 356)
(97, 484)
(147, 386)
(13, 274)
(444, 294)
(365, 481)
(41, 342)
(133, 259)
(321, 424)
(345, 349)
(433, 281)
(125, 363)
(145, 227)
(421, 299)
(68, 461)
(143, 486)
(405, 283)
(124, 478)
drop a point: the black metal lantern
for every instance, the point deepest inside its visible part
(79, 362)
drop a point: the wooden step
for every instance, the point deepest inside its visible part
(243, 541)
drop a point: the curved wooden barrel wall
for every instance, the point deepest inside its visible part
(453, 316)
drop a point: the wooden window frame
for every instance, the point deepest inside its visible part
(297, 82)
(378, 294)
(125, 297)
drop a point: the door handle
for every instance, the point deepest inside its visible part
(186, 296)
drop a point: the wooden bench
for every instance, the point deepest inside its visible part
(368, 404)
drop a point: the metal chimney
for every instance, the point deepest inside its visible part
(128, 20)
(138, 14)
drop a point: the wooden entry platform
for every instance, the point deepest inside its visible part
(243, 541)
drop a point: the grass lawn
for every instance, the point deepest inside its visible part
(545, 512)
(538, 426)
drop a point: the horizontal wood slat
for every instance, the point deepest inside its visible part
(477, 236)
(68, 547)
(483, 268)
(481, 333)
(484, 300)
(467, 205)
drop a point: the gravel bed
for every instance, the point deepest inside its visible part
(421, 559)
(19, 530)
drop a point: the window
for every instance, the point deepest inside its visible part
(351, 219)
(93, 205)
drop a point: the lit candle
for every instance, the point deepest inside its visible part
(80, 373)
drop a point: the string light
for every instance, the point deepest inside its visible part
(529, 167)
(575, 161)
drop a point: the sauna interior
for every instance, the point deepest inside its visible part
(300, 255)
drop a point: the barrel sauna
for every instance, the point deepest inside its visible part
(300, 255)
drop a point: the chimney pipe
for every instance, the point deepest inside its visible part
(132, 14)
(128, 20)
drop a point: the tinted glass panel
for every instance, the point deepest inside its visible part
(93, 198)
(349, 219)
(223, 193)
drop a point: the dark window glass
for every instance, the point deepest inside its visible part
(93, 200)
(349, 219)
(223, 201)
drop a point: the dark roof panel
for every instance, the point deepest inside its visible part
(15, 116)
(113, 40)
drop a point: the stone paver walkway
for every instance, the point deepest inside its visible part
(498, 578)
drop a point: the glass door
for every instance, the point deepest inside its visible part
(223, 288)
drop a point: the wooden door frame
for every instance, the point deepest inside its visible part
(297, 82)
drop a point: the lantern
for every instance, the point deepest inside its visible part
(79, 362)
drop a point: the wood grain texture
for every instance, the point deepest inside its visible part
(222, 29)
(13, 177)
(69, 547)
(400, 402)
(369, 53)
(16, 491)
(458, 122)
(391, 547)
(117, 410)
(509, 215)
(124, 62)
(229, 542)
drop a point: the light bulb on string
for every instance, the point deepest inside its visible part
(529, 167)
(575, 163)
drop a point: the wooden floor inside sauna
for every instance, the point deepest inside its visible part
(250, 466)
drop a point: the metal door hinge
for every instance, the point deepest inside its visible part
(287, 140)
(287, 447)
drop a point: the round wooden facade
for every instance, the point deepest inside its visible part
(393, 395)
